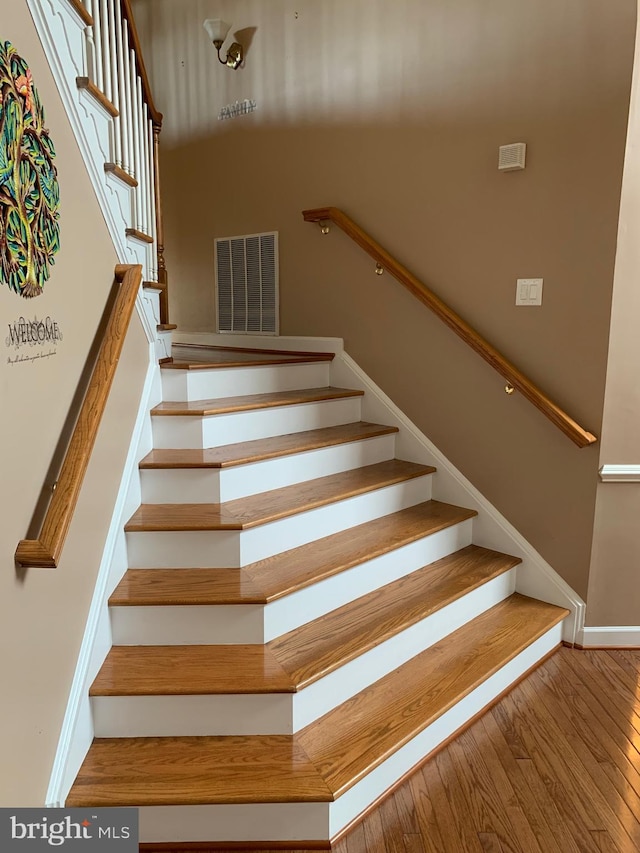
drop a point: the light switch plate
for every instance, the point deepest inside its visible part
(529, 291)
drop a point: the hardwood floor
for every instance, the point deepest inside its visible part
(554, 767)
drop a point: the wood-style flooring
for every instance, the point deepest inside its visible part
(554, 767)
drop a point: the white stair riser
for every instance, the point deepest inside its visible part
(203, 384)
(289, 612)
(237, 822)
(214, 485)
(198, 716)
(258, 543)
(195, 549)
(234, 548)
(186, 431)
(201, 625)
(127, 716)
(353, 802)
(325, 694)
(184, 625)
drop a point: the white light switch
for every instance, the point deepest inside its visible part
(529, 291)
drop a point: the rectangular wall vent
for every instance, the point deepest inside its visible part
(512, 157)
(247, 283)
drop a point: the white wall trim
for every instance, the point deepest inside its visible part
(620, 473)
(535, 576)
(77, 727)
(609, 636)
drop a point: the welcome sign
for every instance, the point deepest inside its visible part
(42, 334)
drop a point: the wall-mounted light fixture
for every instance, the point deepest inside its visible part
(217, 31)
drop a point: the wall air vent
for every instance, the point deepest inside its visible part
(247, 283)
(512, 157)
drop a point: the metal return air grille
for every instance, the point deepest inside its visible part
(247, 283)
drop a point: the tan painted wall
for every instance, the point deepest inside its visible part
(614, 582)
(43, 614)
(394, 112)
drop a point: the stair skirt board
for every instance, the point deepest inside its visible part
(234, 548)
(193, 431)
(249, 623)
(291, 822)
(161, 716)
(179, 385)
(217, 485)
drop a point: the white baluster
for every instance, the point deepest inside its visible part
(142, 135)
(144, 139)
(97, 40)
(106, 50)
(148, 151)
(122, 93)
(128, 138)
(89, 46)
(135, 135)
(114, 11)
(152, 200)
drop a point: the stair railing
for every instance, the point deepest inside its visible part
(117, 77)
(45, 551)
(516, 380)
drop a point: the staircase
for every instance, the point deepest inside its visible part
(301, 623)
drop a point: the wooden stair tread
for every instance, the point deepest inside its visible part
(214, 357)
(355, 737)
(331, 754)
(248, 402)
(175, 587)
(321, 646)
(264, 448)
(190, 671)
(251, 511)
(196, 771)
(303, 655)
(222, 357)
(288, 571)
(291, 570)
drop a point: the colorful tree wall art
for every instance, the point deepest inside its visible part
(29, 192)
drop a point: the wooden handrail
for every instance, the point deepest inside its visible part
(127, 11)
(45, 551)
(505, 368)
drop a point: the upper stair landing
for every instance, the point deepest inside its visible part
(198, 357)
(198, 372)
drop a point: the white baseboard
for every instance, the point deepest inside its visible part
(620, 473)
(77, 727)
(609, 636)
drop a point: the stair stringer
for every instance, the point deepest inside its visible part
(77, 732)
(534, 577)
